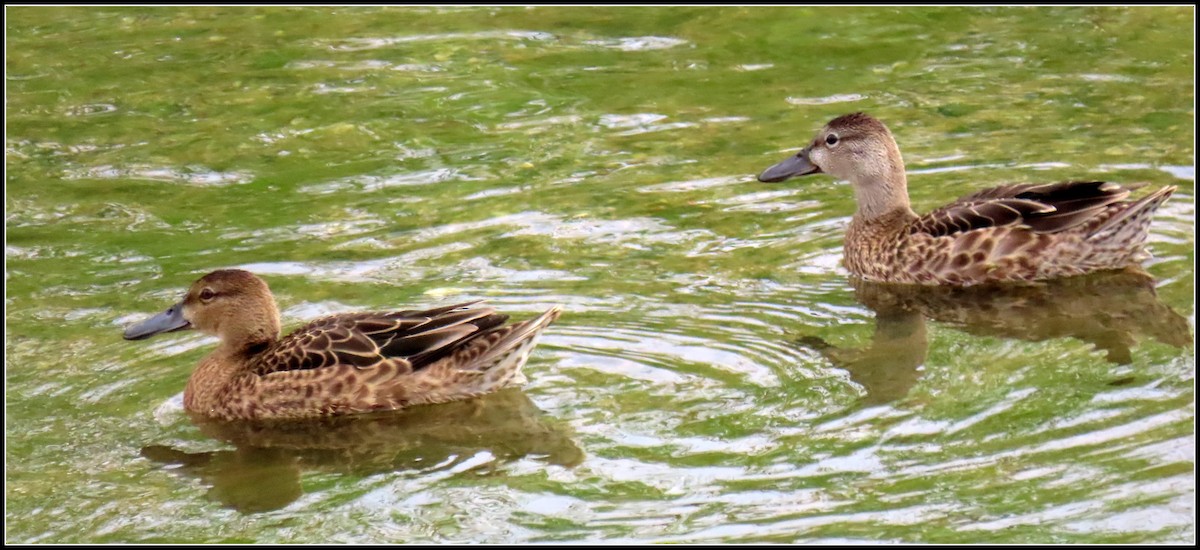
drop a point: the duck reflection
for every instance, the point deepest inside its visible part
(1110, 310)
(263, 472)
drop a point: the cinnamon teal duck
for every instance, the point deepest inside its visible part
(339, 364)
(1019, 232)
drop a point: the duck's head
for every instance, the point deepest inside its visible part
(232, 304)
(857, 148)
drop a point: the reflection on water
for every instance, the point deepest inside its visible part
(1109, 310)
(263, 471)
(889, 366)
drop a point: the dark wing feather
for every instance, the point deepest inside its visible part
(415, 337)
(1045, 208)
(961, 217)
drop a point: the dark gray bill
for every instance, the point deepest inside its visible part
(795, 165)
(167, 321)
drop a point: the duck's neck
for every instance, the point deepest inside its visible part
(251, 329)
(881, 188)
(227, 371)
(223, 373)
(213, 378)
(249, 342)
(237, 353)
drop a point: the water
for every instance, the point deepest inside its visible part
(716, 376)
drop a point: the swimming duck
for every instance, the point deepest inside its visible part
(1019, 232)
(340, 364)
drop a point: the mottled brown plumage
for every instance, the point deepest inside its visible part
(340, 364)
(1018, 232)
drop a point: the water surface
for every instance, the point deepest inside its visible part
(716, 376)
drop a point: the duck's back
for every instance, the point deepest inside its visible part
(417, 338)
(1017, 232)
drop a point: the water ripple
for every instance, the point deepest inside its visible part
(836, 98)
(194, 175)
(638, 43)
(370, 184)
(361, 44)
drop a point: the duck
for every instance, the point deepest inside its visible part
(1018, 232)
(341, 364)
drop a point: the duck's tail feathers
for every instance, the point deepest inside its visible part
(504, 351)
(1132, 223)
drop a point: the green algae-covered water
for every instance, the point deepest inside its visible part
(716, 376)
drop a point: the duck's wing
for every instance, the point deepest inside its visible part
(407, 340)
(1044, 208)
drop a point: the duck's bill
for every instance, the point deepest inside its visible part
(168, 321)
(791, 167)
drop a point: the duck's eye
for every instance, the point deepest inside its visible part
(831, 139)
(207, 294)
